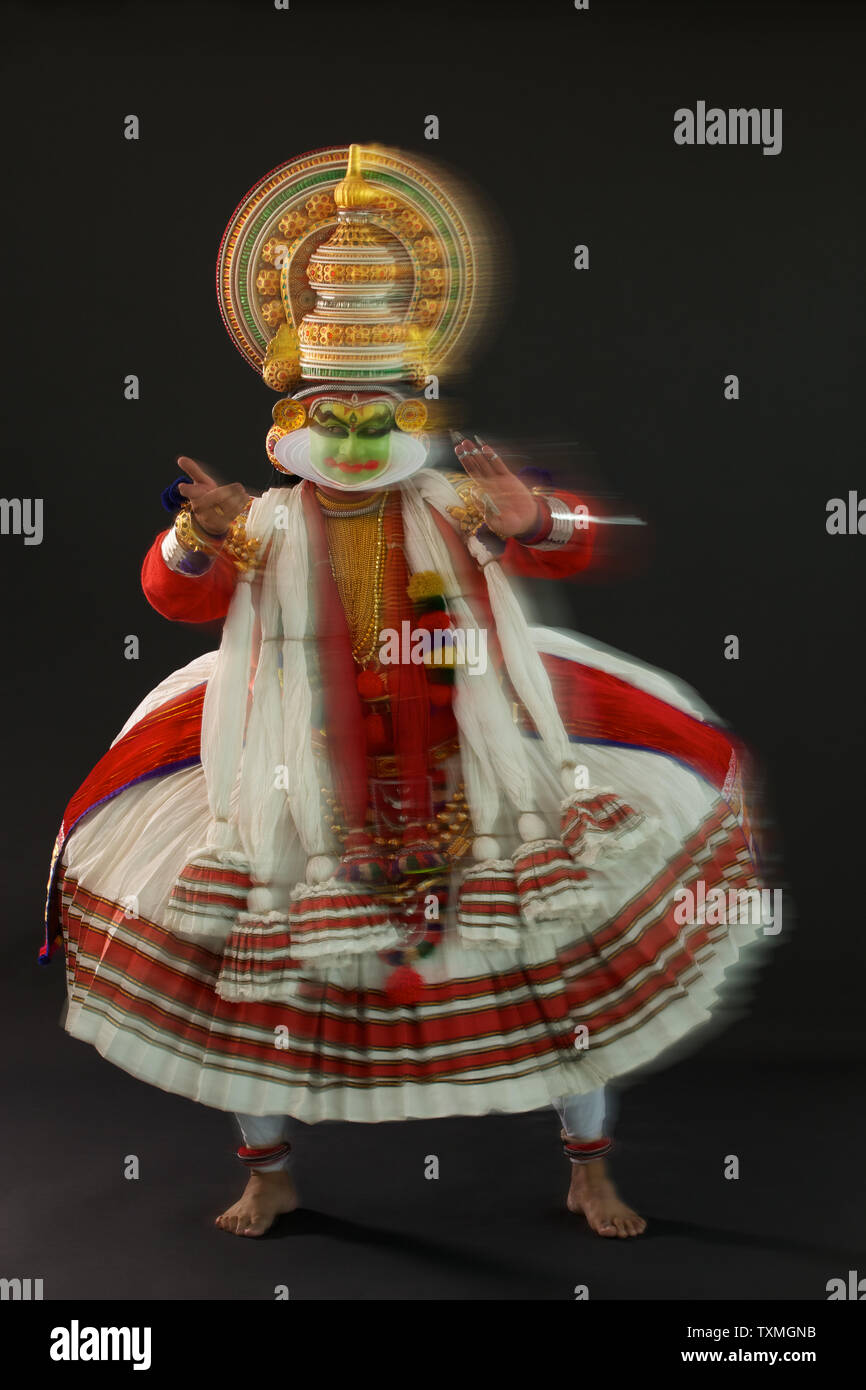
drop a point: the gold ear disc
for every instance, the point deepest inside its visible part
(274, 435)
(289, 415)
(410, 416)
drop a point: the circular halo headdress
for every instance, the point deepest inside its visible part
(353, 266)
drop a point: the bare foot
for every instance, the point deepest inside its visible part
(265, 1197)
(593, 1193)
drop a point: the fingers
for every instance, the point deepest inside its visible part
(472, 459)
(478, 458)
(195, 471)
(491, 457)
(231, 495)
(215, 508)
(193, 491)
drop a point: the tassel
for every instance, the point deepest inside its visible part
(593, 821)
(258, 964)
(425, 585)
(433, 621)
(208, 893)
(488, 905)
(332, 923)
(549, 883)
(371, 686)
(404, 986)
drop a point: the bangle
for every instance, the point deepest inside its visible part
(189, 550)
(190, 537)
(562, 523)
(183, 561)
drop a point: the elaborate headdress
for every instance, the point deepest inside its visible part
(355, 269)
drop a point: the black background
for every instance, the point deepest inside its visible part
(703, 262)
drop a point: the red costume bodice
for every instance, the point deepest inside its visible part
(408, 729)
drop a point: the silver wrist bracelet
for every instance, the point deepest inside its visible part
(183, 561)
(561, 523)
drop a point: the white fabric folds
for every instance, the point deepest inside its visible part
(263, 782)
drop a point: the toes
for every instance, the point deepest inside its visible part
(241, 1223)
(609, 1218)
(634, 1225)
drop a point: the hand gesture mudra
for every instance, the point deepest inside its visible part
(510, 509)
(214, 508)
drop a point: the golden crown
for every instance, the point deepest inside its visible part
(351, 265)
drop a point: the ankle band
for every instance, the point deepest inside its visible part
(264, 1158)
(586, 1150)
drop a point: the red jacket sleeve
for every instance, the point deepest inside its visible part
(552, 564)
(202, 598)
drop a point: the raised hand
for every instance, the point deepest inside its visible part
(510, 509)
(213, 507)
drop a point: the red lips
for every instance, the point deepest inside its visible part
(367, 467)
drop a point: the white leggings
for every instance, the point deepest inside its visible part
(583, 1117)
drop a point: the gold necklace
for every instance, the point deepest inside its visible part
(356, 551)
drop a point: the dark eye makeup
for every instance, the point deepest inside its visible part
(333, 431)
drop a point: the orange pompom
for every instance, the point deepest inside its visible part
(371, 686)
(432, 621)
(404, 986)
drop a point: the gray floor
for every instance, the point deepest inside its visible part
(492, 1226)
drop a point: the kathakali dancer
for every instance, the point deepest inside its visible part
(389, 852)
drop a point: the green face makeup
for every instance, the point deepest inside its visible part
(351, 444)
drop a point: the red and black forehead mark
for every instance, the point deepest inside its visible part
(344, 397)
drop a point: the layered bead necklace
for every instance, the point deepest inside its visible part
(357, 557)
